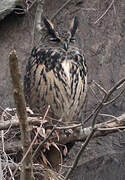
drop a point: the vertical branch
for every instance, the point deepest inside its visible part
(37, 22)
(26, 172)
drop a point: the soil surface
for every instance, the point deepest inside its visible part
(103, 43)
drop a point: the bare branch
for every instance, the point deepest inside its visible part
(94, 94)
(60, 9)
(100, 87)
(39, 127)
(105, 100)
(116, 86)
(114, 99)
(45, 140)
(30, 6)
(108, 115)
(77, 135)
(113, 124)
(104, 12)
(27, 172)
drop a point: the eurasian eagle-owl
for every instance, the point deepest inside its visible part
(56, 74)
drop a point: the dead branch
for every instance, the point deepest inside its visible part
(111, 126)
(60, 9)
(39, 128)
(45, 140)
(100, 87)
(14, 122)
(26, 172)
(104, 12)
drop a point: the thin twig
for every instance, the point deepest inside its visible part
(79, 154)
(94, 94)
(111, 128)
(32, 4)
(3, 143)
(89, 117)
(88, 9)
(114, 99)
(109, 115)
(46, 139)
(100, 87)
(6, 110)
(60, 9)
(105, 99)
(116, 86)
(36, 133)
(69, 127)
(104, 12)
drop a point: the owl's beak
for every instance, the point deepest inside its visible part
(65, 46)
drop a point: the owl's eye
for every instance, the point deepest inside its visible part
(72, 40)
(55, 39)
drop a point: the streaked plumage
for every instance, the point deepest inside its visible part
(56, 75)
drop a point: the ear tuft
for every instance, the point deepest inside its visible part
(50, 27)
(74, 26)
(48, 23)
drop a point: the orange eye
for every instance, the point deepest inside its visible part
(54, 39)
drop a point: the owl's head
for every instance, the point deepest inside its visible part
(64, 37)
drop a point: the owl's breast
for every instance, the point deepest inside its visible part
(56, 78)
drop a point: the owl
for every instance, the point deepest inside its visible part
(56, 75)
